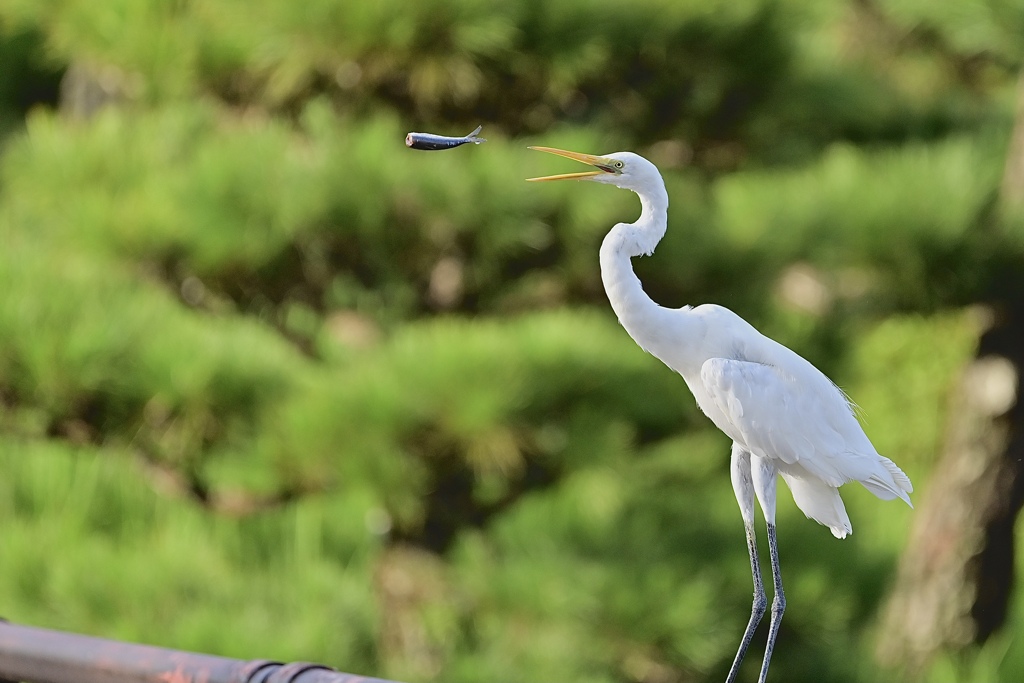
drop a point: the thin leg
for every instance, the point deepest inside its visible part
(757, 608)
(778, 603)
(743, 487)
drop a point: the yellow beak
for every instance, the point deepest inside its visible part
(603, 164)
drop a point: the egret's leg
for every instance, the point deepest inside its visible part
(744, 489)
(763, 477)
(778, 603)
(756, 609)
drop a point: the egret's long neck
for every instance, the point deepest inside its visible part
(641, 317)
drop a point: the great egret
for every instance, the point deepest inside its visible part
(783, 415)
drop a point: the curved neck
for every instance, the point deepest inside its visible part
(640, 238)
(635, 310)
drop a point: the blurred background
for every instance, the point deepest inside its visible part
(273, 385)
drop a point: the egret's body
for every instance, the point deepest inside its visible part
(783, 415)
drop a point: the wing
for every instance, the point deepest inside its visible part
(798, 419)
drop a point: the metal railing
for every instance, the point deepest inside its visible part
(36, 655)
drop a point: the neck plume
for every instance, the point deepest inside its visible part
(635, 310)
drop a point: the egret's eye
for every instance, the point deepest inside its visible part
(618, 165)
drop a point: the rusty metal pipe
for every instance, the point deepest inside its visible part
(36, 655)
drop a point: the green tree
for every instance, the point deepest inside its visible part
(260, 364)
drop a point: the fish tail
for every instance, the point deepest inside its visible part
(474, 136)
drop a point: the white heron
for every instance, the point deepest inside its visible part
(784, 416)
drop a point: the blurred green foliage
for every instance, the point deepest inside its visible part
(273, 385)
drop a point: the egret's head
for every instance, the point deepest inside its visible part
(622, 169)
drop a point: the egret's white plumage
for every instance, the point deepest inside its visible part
(785, 417)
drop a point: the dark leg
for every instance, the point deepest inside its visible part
(756, 609)
(778, 603)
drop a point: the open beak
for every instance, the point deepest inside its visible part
(602, 164)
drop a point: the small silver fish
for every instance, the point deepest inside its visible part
(435, 142)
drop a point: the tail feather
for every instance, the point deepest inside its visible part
(890, 483)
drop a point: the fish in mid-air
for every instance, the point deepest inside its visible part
(430, 141)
